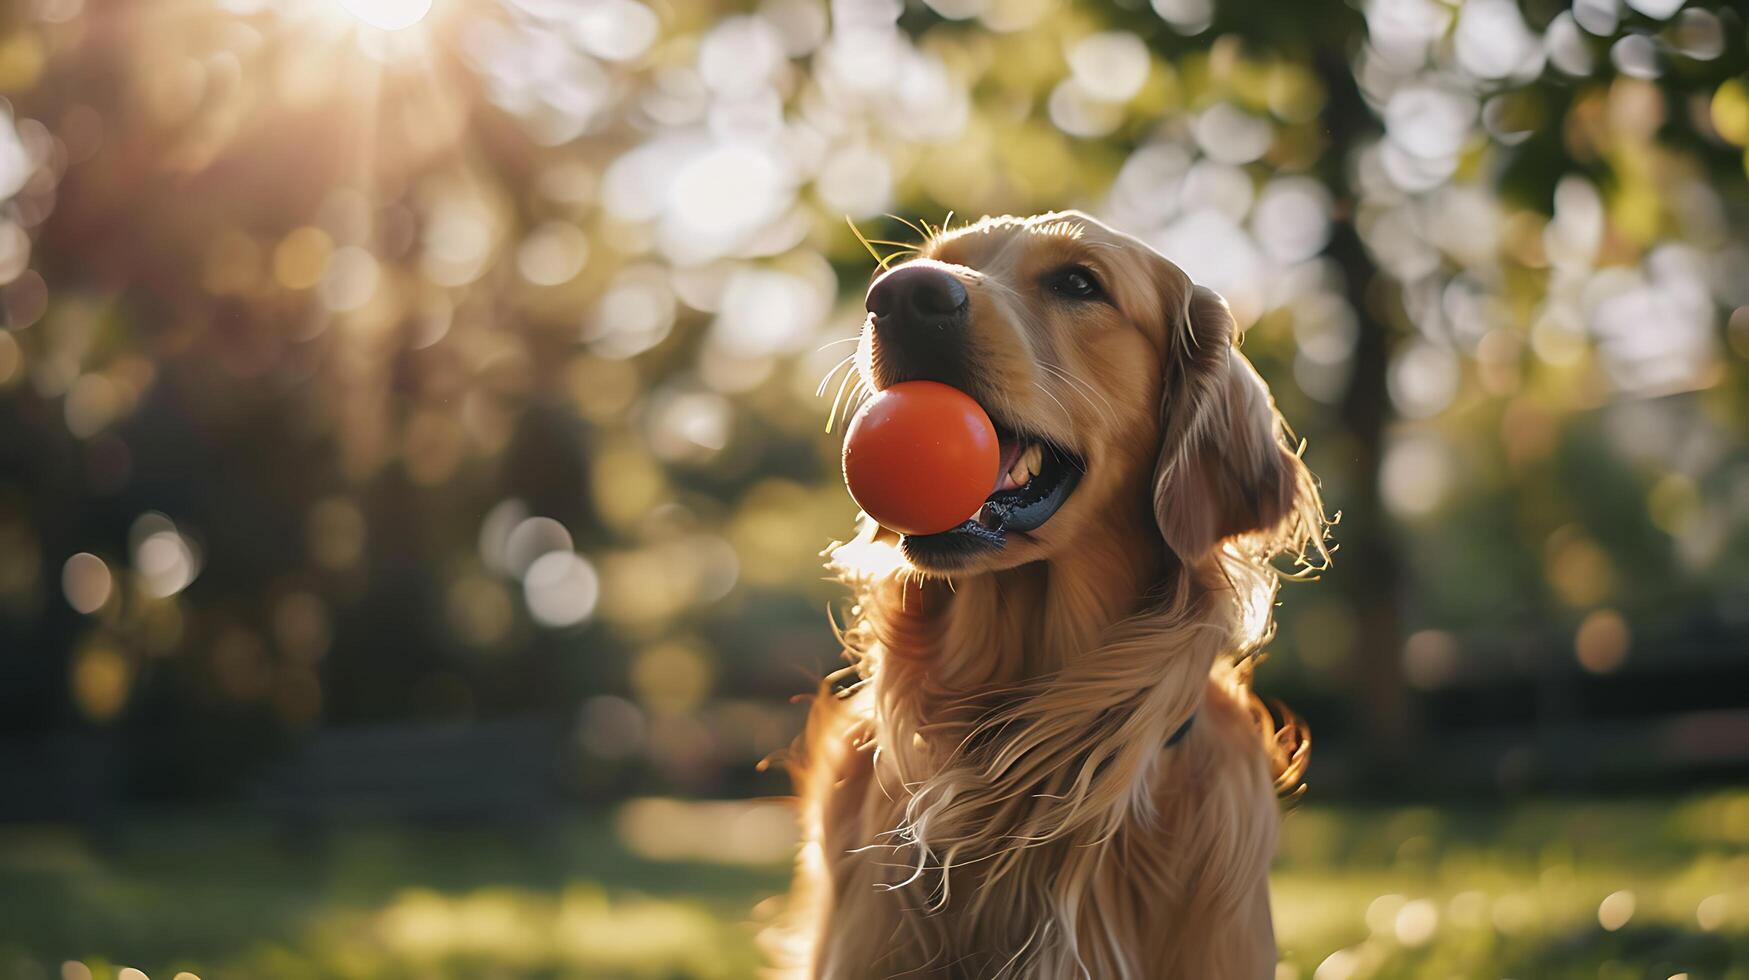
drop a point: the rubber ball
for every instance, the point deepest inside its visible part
(920, 457)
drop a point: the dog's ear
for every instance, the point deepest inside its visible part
(1224, 467)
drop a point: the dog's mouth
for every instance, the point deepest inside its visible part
(1037, 478)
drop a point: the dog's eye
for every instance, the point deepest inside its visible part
(1076, 281)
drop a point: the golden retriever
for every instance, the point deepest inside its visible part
(1048, 761)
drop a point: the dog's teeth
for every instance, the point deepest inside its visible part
(1027, 466)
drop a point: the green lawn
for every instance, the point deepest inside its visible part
(1597, 890)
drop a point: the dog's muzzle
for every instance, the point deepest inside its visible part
(921, 316)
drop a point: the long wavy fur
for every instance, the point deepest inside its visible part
(973, 807)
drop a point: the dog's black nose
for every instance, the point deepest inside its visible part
(917, 294)
(921, 318)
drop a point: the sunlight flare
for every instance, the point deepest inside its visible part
(388, 15)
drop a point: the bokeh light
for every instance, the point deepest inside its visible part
(388, 15)
(87, 582)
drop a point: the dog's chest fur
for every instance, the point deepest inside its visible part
(1118, 905)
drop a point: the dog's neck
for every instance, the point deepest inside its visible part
(1015, 625)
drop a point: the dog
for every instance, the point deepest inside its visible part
(1044, 758)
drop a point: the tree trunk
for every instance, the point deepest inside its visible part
(1369, 570)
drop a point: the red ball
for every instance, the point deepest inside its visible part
(921, 457)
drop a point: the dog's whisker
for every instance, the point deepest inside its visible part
(859, 237)
(842, 412)
(1068, 419)
(1081, 389)
(920, 233)
(860, 393)
(821, 389)
(832, 419)
(1081, 385)
(868, 244)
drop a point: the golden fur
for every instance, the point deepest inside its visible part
(993, 796)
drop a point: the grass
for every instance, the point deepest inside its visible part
(1580, 889)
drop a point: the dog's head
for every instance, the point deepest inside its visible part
(1113, 381)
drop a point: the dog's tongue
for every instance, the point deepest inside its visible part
(1011, 446)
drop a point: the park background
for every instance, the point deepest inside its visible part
(414, 454)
